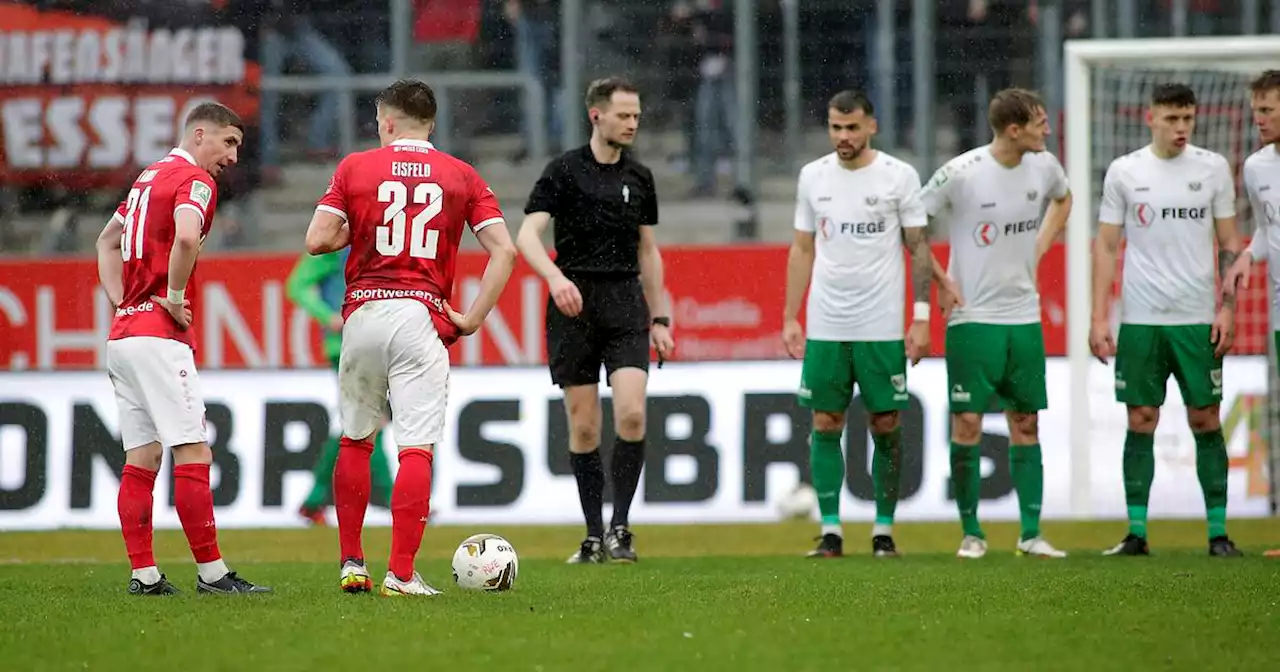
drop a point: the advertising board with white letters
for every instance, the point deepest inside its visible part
(725, 442)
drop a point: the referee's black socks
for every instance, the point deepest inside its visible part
(589, 472)
(628, 460)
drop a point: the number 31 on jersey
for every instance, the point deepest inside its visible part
(391, 234)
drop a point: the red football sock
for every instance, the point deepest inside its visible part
(134, 505)
(194, 502)
(351, 486)
(410, 505)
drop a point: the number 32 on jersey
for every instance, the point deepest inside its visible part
(422, 241)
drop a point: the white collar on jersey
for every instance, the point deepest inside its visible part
(178, 151)
(413, 143)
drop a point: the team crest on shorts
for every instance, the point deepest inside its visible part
(1215, 376)
(899, 382)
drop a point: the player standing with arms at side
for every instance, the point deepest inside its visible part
(317, 284)
(402, 208)
(1172, 201)
(856, 208)
(1262, 184)
(992, 198)
(605, 284)
(146, 259)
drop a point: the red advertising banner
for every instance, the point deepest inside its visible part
(88, 98)
(726, 304)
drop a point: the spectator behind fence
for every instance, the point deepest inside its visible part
(445, 33)
(537, 27)
(715, 104)
(287, 33)
(976, 43)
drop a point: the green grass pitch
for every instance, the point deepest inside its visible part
(734, 597)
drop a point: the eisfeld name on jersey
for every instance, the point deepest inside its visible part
(407, 205)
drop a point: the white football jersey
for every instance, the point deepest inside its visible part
(1262, 184)
(994, 213)
(858, 288)
(1167, 208)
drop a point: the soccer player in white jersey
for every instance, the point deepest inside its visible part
(856, 208)
(1172, 201)
(993, 198)
(1262, 185)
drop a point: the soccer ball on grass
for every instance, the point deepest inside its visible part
(485, 562)
(799, 503)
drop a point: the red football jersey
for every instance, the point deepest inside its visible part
(171, 184)
(406, 205)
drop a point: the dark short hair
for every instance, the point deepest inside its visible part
(849, 100)
(215, 113)
(600, 92)
(1173, 95)
(1013, 106)
(1269, 80)
(410, 97)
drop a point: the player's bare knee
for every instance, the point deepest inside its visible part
(883, 423)
(147, 456)
(1204, 419)
(192, 453)
(1024, 428)
(1143, 419)
(828, 423)
(966, 428)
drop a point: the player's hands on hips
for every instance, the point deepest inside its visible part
(1223, 334)
(566, 295)
(917, 341)
(1237, 276)
(793, 338)
(1101, 342)
(466, 324)
(660, 337)
(180, 312)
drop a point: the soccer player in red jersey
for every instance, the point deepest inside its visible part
(402, 208)
(146, 257)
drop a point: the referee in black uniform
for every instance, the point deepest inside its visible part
(606, 304)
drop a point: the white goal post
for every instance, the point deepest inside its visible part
(1239, 58)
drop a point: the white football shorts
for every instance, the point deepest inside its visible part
(157, 391)
(391, 345)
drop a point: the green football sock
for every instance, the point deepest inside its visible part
(1211, 467)
(381, 472)
(1139, 471)
(1028, 480)
(827, 463)
(323, 475)
(886, 470)
(966, 478)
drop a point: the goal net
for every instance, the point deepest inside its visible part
(1108, 88)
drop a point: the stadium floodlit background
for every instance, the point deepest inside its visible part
(734, 96)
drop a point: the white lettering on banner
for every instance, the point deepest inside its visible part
(496, 330)
(735, 312)
(730, 443)
(13, 312)
(50, 341)
(70, 123)
(130, 55)
(220, 313)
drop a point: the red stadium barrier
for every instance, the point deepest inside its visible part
(726, 305)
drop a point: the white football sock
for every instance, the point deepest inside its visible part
(212, 571)
(149, 576)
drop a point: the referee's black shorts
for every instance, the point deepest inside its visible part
(612, 330)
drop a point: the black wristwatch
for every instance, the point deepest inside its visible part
(664, 321)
